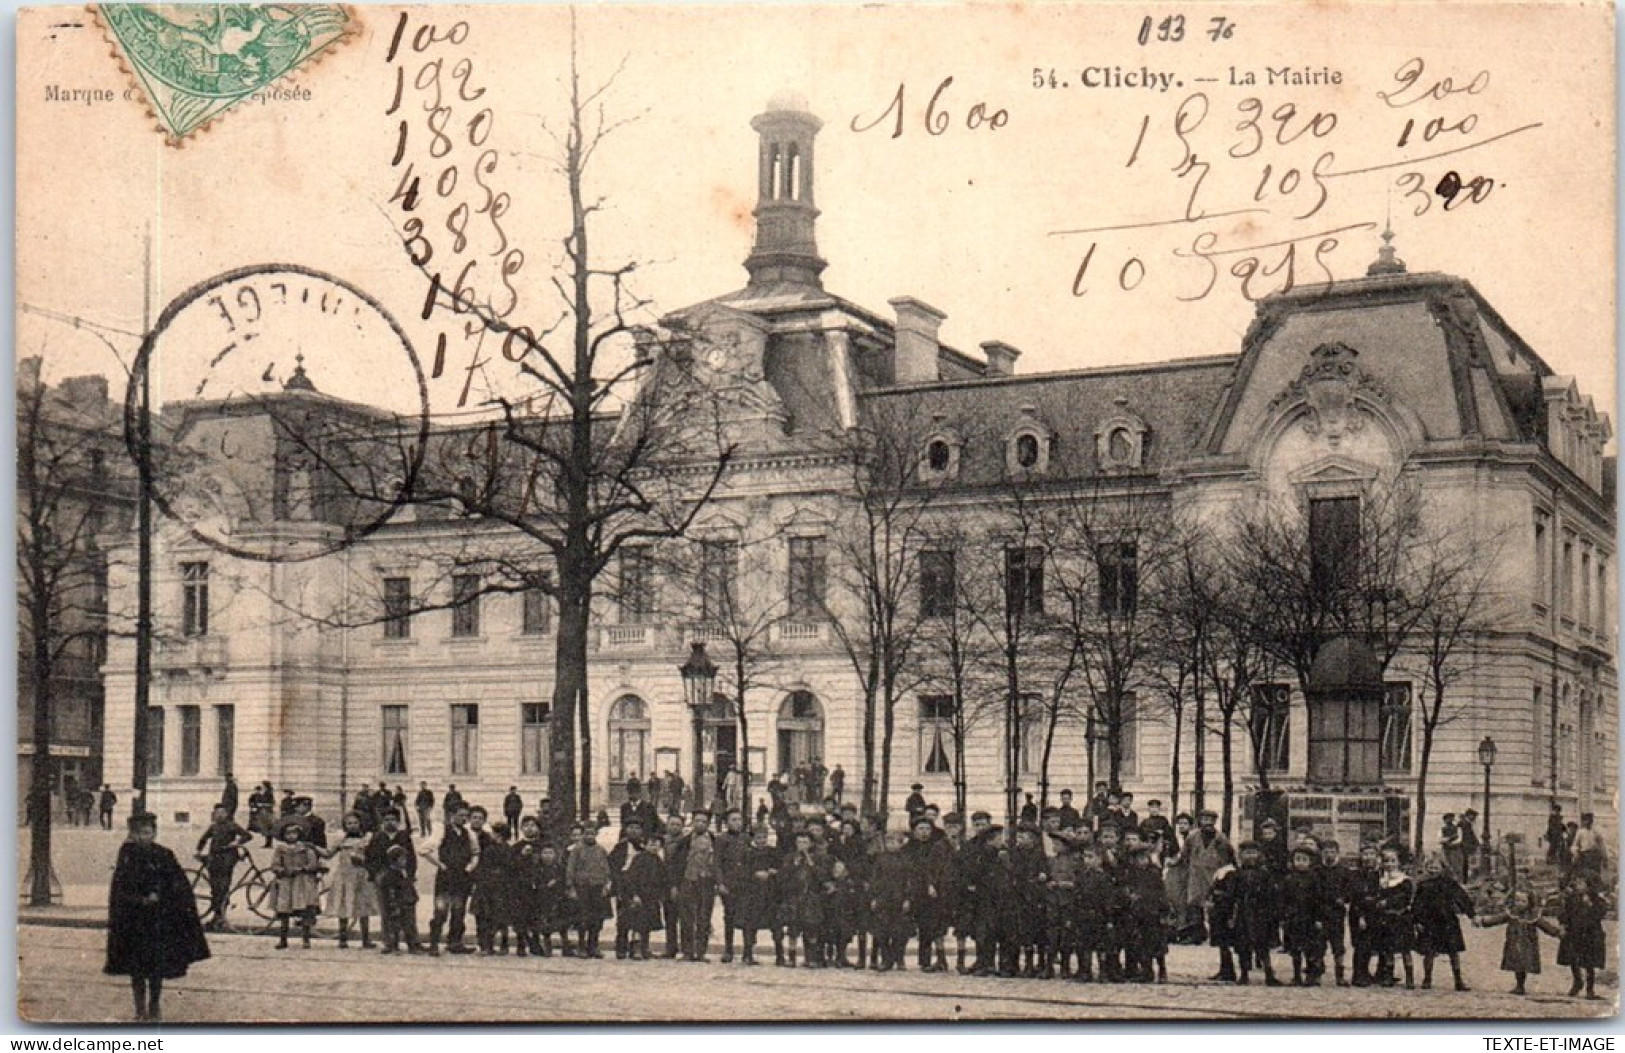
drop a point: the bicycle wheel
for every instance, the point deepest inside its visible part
(257, 895)
(202, 891)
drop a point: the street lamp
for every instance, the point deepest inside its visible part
(699, 675)
(1486, 757)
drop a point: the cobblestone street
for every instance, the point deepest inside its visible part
(248, 980)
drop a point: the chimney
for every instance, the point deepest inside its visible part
(88, 392)
(1001, 358)
(28, 372)
(914, 354)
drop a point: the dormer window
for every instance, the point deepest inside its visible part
(1027, 446)
(1120, 440)
(937, 455)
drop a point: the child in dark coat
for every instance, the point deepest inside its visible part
(889, 905)
(1304, 894)
(804, 875)
(1094, 900)
(1255, 919)
(756, 901)
(841, 912)
(1439, 899)
(552, 904)
(1388, 919)
(493, 891)
(1144, 913)
(1523, 917)
(398, 901)
(1583, 948)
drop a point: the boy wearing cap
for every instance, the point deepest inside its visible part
(398, 900)
(453, 883)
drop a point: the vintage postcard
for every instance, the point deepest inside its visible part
(1068, 511)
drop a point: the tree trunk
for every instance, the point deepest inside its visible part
(584, 722)
(743, 761)
(1173, 775)
(888, 699)
(1422, 786)
(870, 687)
(570, 666)
(39, 805)
(1043, 765)
(1227, 761)
(1198, 748)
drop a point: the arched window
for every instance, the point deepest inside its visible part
(1027, 450)
(628, 742)
(801, 731)
(938, 455)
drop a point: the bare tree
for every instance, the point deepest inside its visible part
(1453, 572)
(954, 655)
(606, 437)
(66, 498)
(874, 614)
(1115, 540)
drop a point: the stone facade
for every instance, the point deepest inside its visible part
(1394, 375)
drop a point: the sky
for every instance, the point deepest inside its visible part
(970, 216)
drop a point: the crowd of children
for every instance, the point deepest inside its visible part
(1078, 897)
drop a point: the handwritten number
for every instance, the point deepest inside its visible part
(894, 110)
(1413, 184)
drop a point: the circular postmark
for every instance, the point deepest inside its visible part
(289, 413)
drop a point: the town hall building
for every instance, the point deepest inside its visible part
(1334, 394)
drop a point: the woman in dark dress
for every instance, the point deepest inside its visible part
(1584, 947)
(153, 931)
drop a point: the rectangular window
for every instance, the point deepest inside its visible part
(1537, 740)
(155, 740)
(194, 599)
(533, 738)
(1345, 742)
(1269, 717)
(1565, 756)
(636, 596)
(807, 571)
(1128, 740)
(397, 608)
(1030, 745)
(1585, 585)
(535, 611)
(1568, 577)
(1397, 721)
(465, 739)
(938, 583)
(1334, 542)
(1543, 559)
(465, 611)
(1602, 595)
(1119, 578)
(396, 740)
(191, 739)
(225, 738)
(719, 578)
(1024, 580)
(936, 734)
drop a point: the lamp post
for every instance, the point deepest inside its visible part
(1486, 757)
(699, 675)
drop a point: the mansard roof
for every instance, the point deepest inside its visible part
(1173, 401)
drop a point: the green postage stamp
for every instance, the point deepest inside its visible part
(195, 61)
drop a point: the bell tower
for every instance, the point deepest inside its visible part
(785, 251)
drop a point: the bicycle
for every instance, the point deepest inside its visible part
(254, 883)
